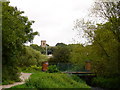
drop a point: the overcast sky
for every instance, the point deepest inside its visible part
(54, 19)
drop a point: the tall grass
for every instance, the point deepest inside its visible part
(53, 80)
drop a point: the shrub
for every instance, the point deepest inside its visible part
(106, 82)
(31, 57)
(36, 68)
(10, 77)
(76, 78)
(53, 69)
(32, 68)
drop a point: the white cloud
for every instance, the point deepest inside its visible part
(53, 18)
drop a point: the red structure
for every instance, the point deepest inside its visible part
(88, 65)
(45, 66)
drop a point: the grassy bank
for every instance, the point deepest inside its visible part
(53, 80)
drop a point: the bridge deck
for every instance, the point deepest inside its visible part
(79, 72)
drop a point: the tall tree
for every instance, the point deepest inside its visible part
(110, 11)
(61, 44)
(105, 37)
(16, 30)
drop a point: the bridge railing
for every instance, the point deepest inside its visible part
(68, 67)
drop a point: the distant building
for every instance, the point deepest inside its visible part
(43, 43)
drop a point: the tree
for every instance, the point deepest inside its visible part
(61, 55)
(30, 57)
(60, 44)
(35, 46)
(106, 47)
(78, 56)
(110, 11)
(16, 30)
(105, 38)
(106, 10)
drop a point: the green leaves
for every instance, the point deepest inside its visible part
(105, 39)
(16, 31)
(61, 55)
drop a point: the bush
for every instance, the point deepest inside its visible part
(36, 68)
(31, 57)
(10, 75)
(32, 68)
(77, 79)
(106, 82)
(53, 69)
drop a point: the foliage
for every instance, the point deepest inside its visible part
(16, 30)
(38, 48)
(104, 38)
(106, 43)
(78, 56)
(87, 28)
(103, 52)
(52, 80)
(106, 10)
(61, 44)
(31, 69)
(35, 46)
(76, 78)
(36, 68)
(106, 82)
(110, 11)
(60, 55)
(52, 69)
(31, 57)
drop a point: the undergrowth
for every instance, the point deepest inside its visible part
(53, 80)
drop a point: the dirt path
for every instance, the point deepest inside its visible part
(23, 77)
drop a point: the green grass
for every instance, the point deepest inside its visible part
(53, 80)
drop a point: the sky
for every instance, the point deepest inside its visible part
(54, 19)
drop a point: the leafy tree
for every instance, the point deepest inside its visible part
(102, 37)
(16, 30)
(109, 51)
(60, 55)
(110, 11)
(60, 44)
(105, 39)
(106, 10)
(35, 46)
(39, 48)
(43, 50)
(30, 57)
(79, 55)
